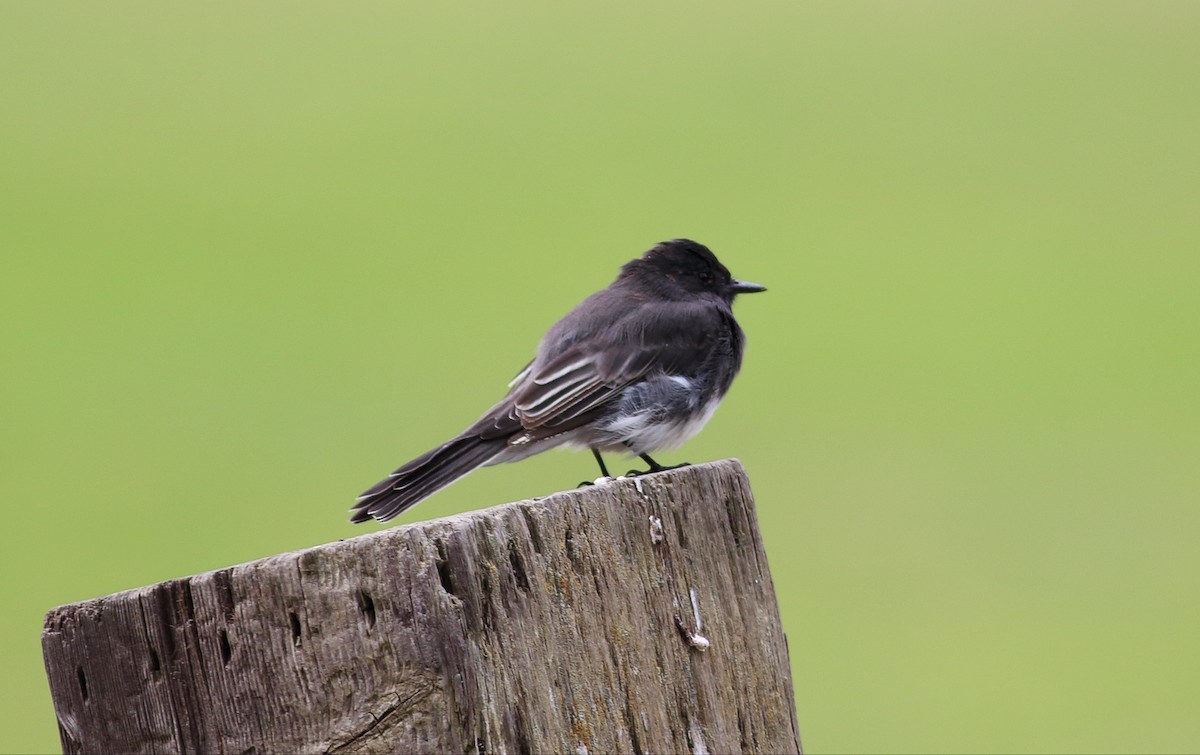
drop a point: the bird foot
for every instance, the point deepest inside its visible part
(655, 468)
(597, 481)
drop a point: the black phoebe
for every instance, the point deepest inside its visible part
(638, 366)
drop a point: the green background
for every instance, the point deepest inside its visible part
(257, 255)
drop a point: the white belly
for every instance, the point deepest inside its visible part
(644, 435)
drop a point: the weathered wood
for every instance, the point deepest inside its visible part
(573, 623)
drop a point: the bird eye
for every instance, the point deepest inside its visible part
(705, 277)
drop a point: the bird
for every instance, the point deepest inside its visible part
(636, 367)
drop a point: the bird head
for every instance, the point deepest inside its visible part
(683, 267)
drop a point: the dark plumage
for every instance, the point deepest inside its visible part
(636, 367)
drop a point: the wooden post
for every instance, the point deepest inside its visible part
(634, 616)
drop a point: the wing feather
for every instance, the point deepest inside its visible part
(566, 390)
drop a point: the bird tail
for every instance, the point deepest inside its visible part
(424, 476)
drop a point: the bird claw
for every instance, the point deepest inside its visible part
(653, 470)
(597, 481)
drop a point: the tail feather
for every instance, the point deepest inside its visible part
(423, 476)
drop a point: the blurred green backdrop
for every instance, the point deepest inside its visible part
(255, 256)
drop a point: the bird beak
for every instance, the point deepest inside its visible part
(744, 287)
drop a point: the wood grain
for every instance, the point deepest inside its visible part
(636, 616)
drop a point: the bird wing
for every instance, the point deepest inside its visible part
(565, 391)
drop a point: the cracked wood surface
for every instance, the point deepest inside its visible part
(636, 616)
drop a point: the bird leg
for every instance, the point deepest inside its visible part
(600, 461)
(603, 469)
(654, 466)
